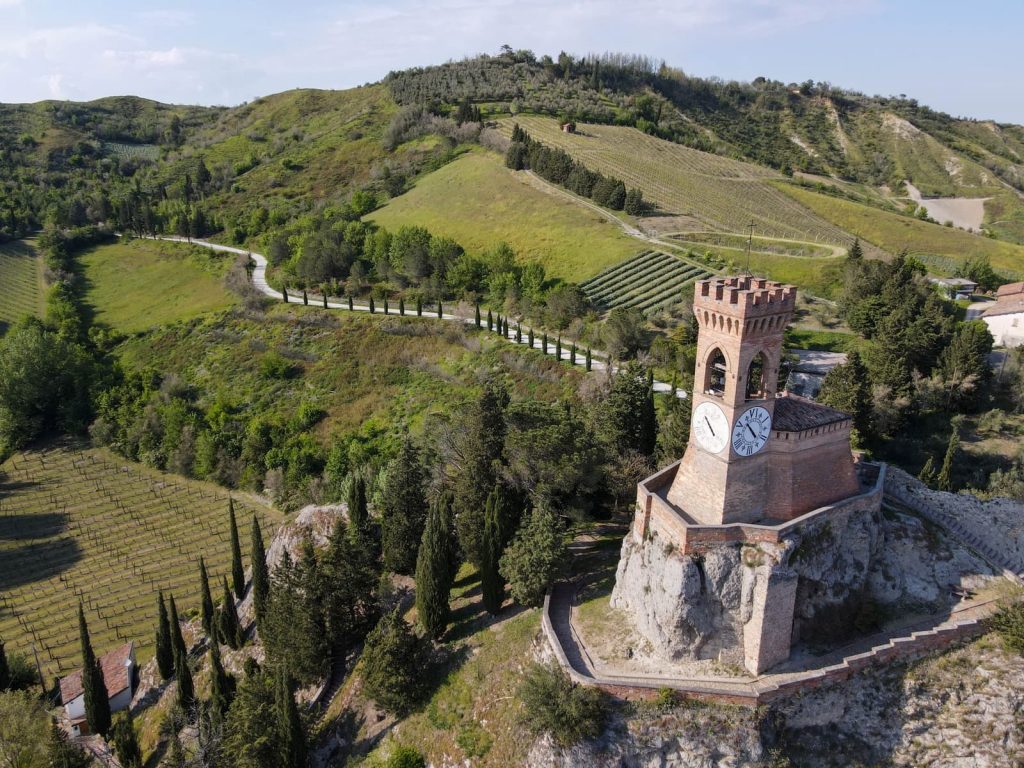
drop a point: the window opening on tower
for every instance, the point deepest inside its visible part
(715, 377)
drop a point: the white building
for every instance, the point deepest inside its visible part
(118, 668)
(954, 287)
(1005, 316)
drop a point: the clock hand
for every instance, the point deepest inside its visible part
(752, 434)
(709, 425)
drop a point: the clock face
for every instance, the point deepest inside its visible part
(710, 427)
(751, 431)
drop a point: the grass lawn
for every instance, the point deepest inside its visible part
(21, 278)
(140, 284)
(479, 202)
(942, 248)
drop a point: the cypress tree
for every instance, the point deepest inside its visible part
(206, 599)
(220, 685)
(126, 743)
(945, 478)
(440, 313)
(497, 324)
(490, 321)
(284, 294)
(530, 338)
(94, 689)
(177, 639)
(385, 305)
(230, 628)
(260, 576)
(358, 514)
(419, 306)
(558, 348)
(325, 299)
(164, 647)
(572, 354)
(293, 740)
(927, 473)
(434, 571)
(305, 297)
(544, 343)
(350, 305)
(186, 688)
(401, 306)
(372, 307)
(237, 571)
(519, 334)
(404, 510)
(476, 316)
(588, 359)
(504, 327)
(492, 586)
(5, 670)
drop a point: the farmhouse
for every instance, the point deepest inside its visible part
(1005, 316)
(118, 668)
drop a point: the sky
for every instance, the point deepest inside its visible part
(959, 57)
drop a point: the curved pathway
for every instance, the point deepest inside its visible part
(259, 282)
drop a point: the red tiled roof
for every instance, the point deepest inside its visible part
(1010, 289)
(796, 414)
(1006, 304)
(115, 674)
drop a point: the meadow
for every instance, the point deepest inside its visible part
(649, 281)
(81, 524)
(479, 203)
(138, 284)
(942, 248)
(21, 277)
(719, 192)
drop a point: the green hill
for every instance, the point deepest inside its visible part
(478, 202)
(20, 274)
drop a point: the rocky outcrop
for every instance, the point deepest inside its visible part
(853, 568)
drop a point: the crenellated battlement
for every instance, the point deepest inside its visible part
(744, 297)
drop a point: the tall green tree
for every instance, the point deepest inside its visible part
(260, 574)
(186, 687)
(847, 387)
(945, 478)
(126, 742)
(392, 663)
(629, 411)
(535, 558)
(404, 510)
(97, 698)
(294, 751)
(964, 365)
(351, 570)
(5, 670)
(673, 430)
(177, 638)
(479, 447)
(496, 525)
(294, 625)
(221, 685)
(434, 570)
(358, 514)
(164, 647)
(237, 570)
(206, 600)
(229, 628)
(252, 725)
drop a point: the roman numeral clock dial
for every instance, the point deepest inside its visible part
(751, 431)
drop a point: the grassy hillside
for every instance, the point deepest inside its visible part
(717, 192)
(82, 524)
(479, 202)
(942, 248)
(139, 284)
(21, 278)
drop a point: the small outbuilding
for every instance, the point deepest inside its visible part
(118, 668)
(1005, 316)
(954, 287)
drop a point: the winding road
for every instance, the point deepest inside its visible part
(259, 282)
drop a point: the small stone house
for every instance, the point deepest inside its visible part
(954, 287)
(1005, 316)
(118, 668)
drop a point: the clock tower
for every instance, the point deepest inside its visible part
(724, 474)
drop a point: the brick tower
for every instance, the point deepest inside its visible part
(724, 477)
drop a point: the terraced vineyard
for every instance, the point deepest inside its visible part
(649, 281)
(19, 276)
(722, 193)
(82, 524)
(124, 151)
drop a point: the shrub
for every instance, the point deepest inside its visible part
(274, 366)
(1009, 623)
(554, 705)
(393, 664)
(405, 757)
